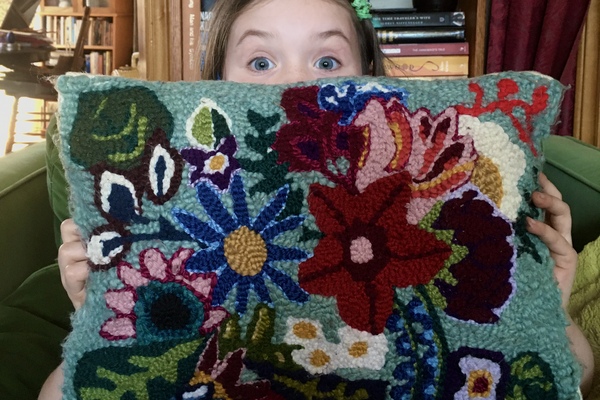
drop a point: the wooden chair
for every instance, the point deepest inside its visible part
(35, 82)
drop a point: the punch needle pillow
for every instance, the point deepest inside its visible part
(356, 238)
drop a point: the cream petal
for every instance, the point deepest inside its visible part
(318, 359)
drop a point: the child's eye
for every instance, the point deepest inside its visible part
(327, 63)
(261, 64)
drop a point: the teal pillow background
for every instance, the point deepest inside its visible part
(352, 238)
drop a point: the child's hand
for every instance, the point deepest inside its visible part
(72, 261)
(556, 234)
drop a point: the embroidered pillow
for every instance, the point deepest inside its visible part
(356, 238)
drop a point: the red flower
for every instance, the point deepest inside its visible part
(314, 139)
(368, 248)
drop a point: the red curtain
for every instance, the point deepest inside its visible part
(539, 35)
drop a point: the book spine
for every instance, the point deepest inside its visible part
(421, 35)
(108, 62)
(67, 32)
(206, 16)
(424, 66)
(176, 61)
(414, 20)
(420, 49)
(94, 63)
(190, 21)
(61, 34)
(100, 66)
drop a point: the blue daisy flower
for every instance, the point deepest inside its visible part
(241, 249)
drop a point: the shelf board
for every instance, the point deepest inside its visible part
(98, 47)
(59, 12)
(90, 48)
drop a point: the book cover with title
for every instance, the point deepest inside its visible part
(422, 66)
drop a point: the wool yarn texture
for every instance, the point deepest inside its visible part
(348, 238)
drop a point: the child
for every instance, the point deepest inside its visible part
(280, 41)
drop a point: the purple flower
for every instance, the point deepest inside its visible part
(216, 166)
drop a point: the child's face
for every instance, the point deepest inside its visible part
(284, 41)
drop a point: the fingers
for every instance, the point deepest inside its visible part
(72, 261)
(69, 231)
(74, 277)
(548, 187)
(555, 242)
(558, 213)
(562, 252)
(71, 252)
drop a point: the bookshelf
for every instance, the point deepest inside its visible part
(157, 19)
(109, 43)
(476, 24)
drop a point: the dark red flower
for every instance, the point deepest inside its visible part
(368, 248)
(483, 284)
(314, 140)
(221, 379)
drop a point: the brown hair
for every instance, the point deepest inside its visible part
(225, 12)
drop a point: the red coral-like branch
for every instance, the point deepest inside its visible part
(506, 89)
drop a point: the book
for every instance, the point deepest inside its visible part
(424, 35)
(392, 5)
(175, 61)
(190, 43)
(94, 55)
(413, 20)
(457, 65)
(68, 39)
(420, 49)
(108, 67)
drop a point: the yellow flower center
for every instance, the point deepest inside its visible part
(358, 349)
(245, 251)
(319, 358)
(305, 330)
(479, 383)
(216, 162)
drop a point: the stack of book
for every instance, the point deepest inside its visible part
(420, 44)
(98, 62)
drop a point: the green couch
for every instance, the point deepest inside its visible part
(34, 309)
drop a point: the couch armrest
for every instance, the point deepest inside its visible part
(574, 167)
(26, 230)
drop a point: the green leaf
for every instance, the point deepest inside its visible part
(257, 341)
(113, 126)
(531, 378)
(202, 127)
(139, 372)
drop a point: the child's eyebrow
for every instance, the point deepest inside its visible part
(254, 32)
(333, 33)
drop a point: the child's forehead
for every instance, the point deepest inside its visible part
(302, 14)
(334, 9)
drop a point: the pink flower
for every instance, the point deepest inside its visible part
(155, 270)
